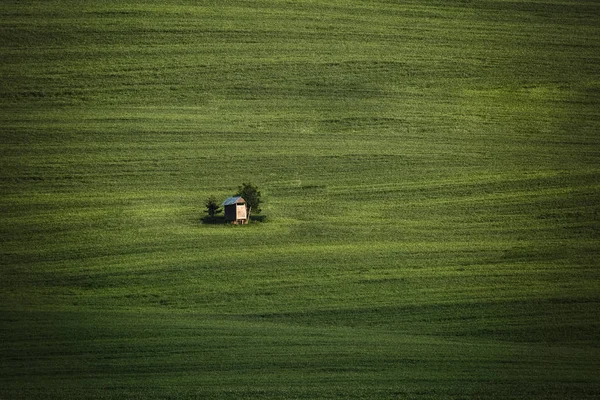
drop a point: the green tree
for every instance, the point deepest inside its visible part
(251, 194)
(212, 207)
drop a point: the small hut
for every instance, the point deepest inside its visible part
(235, 210)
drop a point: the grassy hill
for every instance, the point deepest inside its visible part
(430, 174)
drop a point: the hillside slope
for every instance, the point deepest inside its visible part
(430, 176)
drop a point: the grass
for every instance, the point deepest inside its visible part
(429, 174)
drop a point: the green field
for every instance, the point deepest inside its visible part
(430, 172)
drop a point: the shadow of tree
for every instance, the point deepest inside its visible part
(214, 220)
(220, 219)
(258, 218)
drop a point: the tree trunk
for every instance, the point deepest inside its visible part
(248, 211)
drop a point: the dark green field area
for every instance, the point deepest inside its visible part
(430, 172)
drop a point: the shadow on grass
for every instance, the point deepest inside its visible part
(258, 218)
(220, 219)
(216, 220)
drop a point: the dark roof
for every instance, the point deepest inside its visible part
(233, 200)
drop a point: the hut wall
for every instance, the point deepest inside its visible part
(231, 212)
(241, 211)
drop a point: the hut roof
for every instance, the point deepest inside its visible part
(233, 200)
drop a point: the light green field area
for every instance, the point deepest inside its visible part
(430, 172)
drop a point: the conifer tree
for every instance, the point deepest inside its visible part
(212, 207)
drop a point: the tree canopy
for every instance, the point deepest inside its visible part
(251, 194)
(212, 206)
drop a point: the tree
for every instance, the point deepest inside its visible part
(212, 207)
(251, 194)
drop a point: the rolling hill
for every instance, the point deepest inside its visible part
(430, 174)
